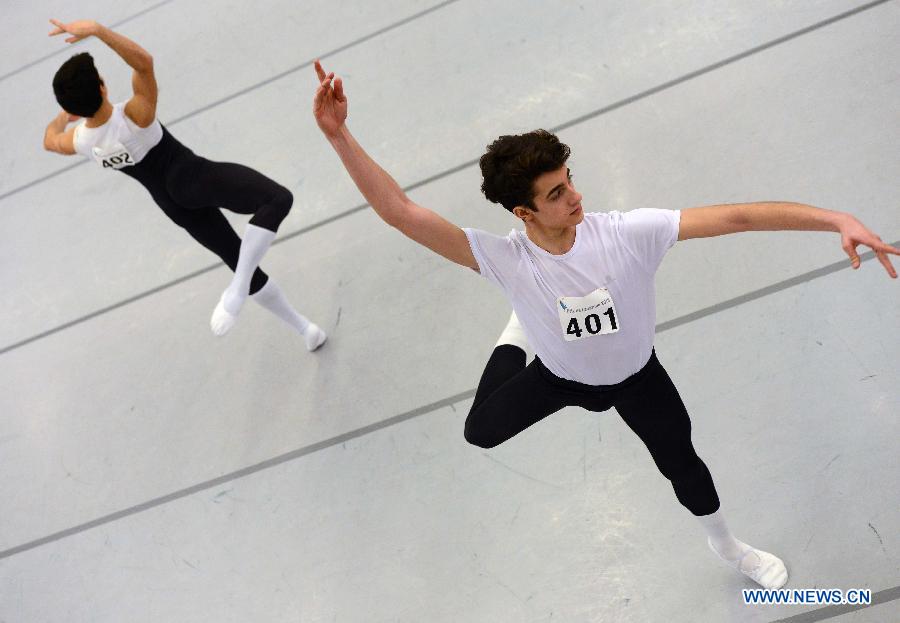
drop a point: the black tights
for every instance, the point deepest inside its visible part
(190, 190)
(512, 396)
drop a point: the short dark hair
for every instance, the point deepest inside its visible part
(513, 162)
(77, 86)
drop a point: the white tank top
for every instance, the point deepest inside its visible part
(119, 142)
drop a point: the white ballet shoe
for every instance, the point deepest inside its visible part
(314, 336)
(222, 321)
(764, 568)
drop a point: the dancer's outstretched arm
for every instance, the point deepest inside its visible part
(378, 187)
(141, 108)
(718, 220)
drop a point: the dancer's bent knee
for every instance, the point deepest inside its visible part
(694, 488)
(275, 210)
(477, 434)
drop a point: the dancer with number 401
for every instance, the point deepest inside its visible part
(582, 285)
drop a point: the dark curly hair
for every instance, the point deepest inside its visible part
(77, 86)
(513, 162)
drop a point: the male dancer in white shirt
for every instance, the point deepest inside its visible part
(582, 285)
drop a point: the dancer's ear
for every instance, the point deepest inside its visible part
(523, 213)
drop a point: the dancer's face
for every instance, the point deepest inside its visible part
(558, 203)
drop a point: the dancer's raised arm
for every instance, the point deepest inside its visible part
(718, 220)
(378, 187)
(141, 108)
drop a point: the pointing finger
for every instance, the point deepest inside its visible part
(319, 71)
(889, 249)
(886, 262)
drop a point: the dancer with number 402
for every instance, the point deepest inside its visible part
(128, 137)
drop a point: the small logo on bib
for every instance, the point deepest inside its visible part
(583, 316)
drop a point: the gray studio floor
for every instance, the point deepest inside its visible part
(150, 472)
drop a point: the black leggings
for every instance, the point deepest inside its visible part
(190, 190)
(511, 397)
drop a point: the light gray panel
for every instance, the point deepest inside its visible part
(793, 396)
(26, 25)
(391, 295)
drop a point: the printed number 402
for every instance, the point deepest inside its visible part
(591, 323)
(112, 162)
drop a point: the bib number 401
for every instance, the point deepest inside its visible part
(592, 323)
(582, 317)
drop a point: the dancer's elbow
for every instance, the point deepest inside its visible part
(396, 212)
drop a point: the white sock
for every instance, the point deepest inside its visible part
(513, 334)
(255, 243)
(271, 297)
(764, 568)
(720, 536)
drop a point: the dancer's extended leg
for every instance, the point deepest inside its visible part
(654, 410)
(209, 227)
(198, 182)
(510, 396)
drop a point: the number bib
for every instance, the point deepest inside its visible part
(584, 316)
(115, 157)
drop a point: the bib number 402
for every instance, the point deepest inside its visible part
(117, 161)
(592, 323)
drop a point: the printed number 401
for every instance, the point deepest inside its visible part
(591, 323)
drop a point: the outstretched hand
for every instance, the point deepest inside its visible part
(854, 233)
(82, 29)
(330, 104)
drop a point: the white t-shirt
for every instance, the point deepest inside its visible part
(119, 142)
(589, 314)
